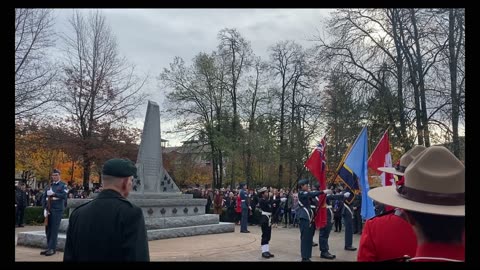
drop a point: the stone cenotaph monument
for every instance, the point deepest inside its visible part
(168, 213)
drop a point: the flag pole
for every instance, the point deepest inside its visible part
(343, 161)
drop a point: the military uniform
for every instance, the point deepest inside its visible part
(21, 202)
(55, 213)
(357, 218)
(325, 231)
(386, 237)
(266, 223)
(109, 228)
(245, 208)
(347, 215)
(305, 216)
(439, 252)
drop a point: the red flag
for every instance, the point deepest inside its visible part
(381, 157)
(317, 165)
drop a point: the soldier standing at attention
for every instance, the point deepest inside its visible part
(57, 193)
(325, 231)
(245, 208)
(266, 222)
(305, 216)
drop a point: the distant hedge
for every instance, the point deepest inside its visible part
(34, 215)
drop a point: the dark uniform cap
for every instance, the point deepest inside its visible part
(316, 185)
(119, 168)
(55, 171)
(242, 184)
(303, 182)
(263, 189)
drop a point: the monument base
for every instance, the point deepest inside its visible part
(39, 239)
(176, 215)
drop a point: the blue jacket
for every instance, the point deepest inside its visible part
(304, 211)
(244, 198)
(60, 190)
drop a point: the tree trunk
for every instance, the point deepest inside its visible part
(412, 66)
(220, 168)
(453, 56)
(421, 82)
(282, 131)
(399, 65)
(86, 171)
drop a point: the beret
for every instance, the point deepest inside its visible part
(119, 168)
(303, 182)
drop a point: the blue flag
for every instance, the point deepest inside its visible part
(356, 161)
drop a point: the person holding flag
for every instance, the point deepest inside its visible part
(305, 217)
(325, 231)
(317, 165)
(353, 173)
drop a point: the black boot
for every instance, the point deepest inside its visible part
(50, 252)
(265, 255)
(305, 260)
(270, 254)
(327, 255)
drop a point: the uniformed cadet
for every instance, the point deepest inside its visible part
(21, 202)
(57, 192)
(305, 216)
(325, 231)
(109, 228)
(433, 199)
(389, 227)
(245, 208)
(314, 205)
(265, 221)
(347, 215)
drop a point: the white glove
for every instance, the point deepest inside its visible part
(250, 207)
(45, 213)
(50, 192)
(327, 191)
(346, 194)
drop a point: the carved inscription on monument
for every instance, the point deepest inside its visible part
(151, 166)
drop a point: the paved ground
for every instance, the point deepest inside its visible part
(236, 246)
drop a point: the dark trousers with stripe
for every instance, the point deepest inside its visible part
(347, 220)
(325, 233)
(53, 227)
(306, 238)
(244, 220)
(266, 230)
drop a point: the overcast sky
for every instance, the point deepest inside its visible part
(151, 38)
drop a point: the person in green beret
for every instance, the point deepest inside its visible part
(109, 228)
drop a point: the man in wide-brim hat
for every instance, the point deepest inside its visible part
(389, 226)
(433, 198)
